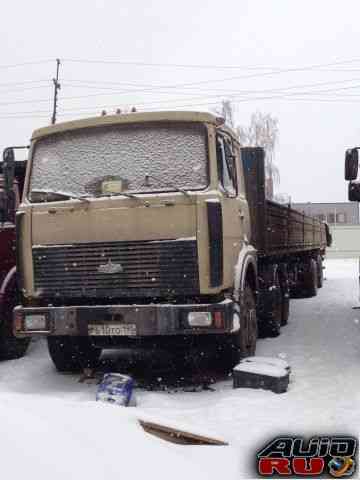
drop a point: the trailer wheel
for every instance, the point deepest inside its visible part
(71, 354)
(243, 343)
(320, 272)
(310, 284)
(274, 310)
(285, 306)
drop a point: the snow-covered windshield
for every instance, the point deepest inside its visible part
(119, 158)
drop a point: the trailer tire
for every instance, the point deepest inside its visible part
(285, 307)
(272, 314)
(320, 272)
(310, 285)
(71, 354)
(243, 342)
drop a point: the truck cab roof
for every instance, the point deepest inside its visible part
(128, 118)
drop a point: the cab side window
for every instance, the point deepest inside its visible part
(226, 165)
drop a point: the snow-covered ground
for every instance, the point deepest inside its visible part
(51, 426)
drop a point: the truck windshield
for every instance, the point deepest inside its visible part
(120, 158)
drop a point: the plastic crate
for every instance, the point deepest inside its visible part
(261, 375)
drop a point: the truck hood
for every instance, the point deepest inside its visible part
(107, 220)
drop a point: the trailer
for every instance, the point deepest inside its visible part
(290, 248)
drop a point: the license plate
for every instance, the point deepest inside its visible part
(127, 330)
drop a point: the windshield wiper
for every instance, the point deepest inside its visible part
(66, 195)
(166, 184)
(121, 194)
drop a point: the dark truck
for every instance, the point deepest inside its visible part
(10, 346)
(153, 229)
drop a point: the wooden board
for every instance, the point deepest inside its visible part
(174, 435)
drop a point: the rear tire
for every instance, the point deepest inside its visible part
(320, 272)
(285, 308)
(310, 284)
(273, 310)
(72, 354)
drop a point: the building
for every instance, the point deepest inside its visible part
(344, 222)
(342, 213)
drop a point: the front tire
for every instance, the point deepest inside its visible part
(243, 342)
(72, 354)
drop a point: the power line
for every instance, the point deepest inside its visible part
(340, 100)
(244, 92)
(24, 64)
(248, 94)
(37, 87)
(200, 66)
(26, 82)
(238, 94)
(150, 88)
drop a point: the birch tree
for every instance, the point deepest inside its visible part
(263, 131)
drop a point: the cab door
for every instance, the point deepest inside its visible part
(234, 205)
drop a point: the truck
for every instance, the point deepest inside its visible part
(11, 347)
(153, 229)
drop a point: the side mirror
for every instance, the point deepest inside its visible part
(351, 164)
(354, 191)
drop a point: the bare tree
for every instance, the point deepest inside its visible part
(263, 131)
(227, 111)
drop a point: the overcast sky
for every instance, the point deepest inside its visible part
(317, 107)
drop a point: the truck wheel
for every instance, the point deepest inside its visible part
(10, 346)
(320, 272)
(311, 279)
(271, 325)
(273, 311)
(244, 341)
(285, 307)
(71, 354)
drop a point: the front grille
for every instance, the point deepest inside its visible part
(160, 268)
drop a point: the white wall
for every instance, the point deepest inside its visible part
(346, 241)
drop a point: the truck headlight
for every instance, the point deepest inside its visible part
(34, 321)
(199, 319)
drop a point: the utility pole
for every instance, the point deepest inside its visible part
(56, 89)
